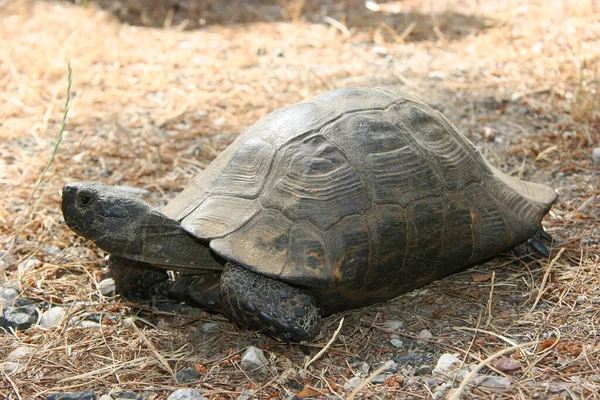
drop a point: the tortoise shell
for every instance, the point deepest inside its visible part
(358, 194)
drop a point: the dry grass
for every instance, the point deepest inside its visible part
(152, 106)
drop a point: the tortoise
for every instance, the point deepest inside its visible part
(347, 199)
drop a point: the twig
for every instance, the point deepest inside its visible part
(546, 275)
(373, 375)
(458, 392)
(338, 25)
(59, 139)
(148, 343)
(12, 384)
(489, 305)
(477, 330)
(324, 349)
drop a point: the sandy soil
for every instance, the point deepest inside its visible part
(157, 95)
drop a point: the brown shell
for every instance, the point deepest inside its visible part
(360, 194)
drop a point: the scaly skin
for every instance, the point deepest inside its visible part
(272, 306)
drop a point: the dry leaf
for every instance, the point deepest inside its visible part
(307, 392)
(480, 276)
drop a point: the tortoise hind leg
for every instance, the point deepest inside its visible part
(269, 305)
(202, 290)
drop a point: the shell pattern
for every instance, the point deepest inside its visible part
(358, 195)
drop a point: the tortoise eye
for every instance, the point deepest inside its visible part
(85, 199)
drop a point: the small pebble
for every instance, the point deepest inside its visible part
(424, 334)
(423, 370)
(372, 5)
(85, 324)
(278, 53)
(352, 383)
(245, 395)
(439, 75)
(128, 395)
(397, 343)
(19, 317)
(50, 250)
(84, 395)
(392, 324)
(447, 365)
(209, 326)
(105, 397)
(9, 366)
(162, 325)
(107, 286)
(253, 360)
(8, 294)
(380, 51)
(28, 264)
(379, 378)
(186, 394)
(596, 155)
(507, 364)
(52, 317)
(393, 367)
(410, 358)
(582, 298)
(492, 382)
(186, 375)
(20, 353)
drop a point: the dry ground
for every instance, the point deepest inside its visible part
(152, 106)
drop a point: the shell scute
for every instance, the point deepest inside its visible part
(313, 181)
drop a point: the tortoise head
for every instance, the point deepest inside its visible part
(111, 218)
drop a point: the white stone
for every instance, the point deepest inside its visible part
(107, 286)
(380, 50)
(352, 383)
(582, 298)
(51, 250)
(492, 382)
(424, 334)
(84, 324)
(209, 326)
(253, 360)
(105, 397)
(397, 343)
(439, 75)
(392, 324)
(8, 294)
(20, 353)
(186, 394)
(9, 366)
(28, 264)
(596, 155)
(52, 317)
(447, 365)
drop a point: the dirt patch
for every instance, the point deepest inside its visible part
(153, 106)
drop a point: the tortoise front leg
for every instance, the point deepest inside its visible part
(269, 305)
(137, 280)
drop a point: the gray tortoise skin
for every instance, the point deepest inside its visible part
(352, 197)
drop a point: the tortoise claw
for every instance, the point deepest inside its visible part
(539, 247)
(545, 235)
(537, 242)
